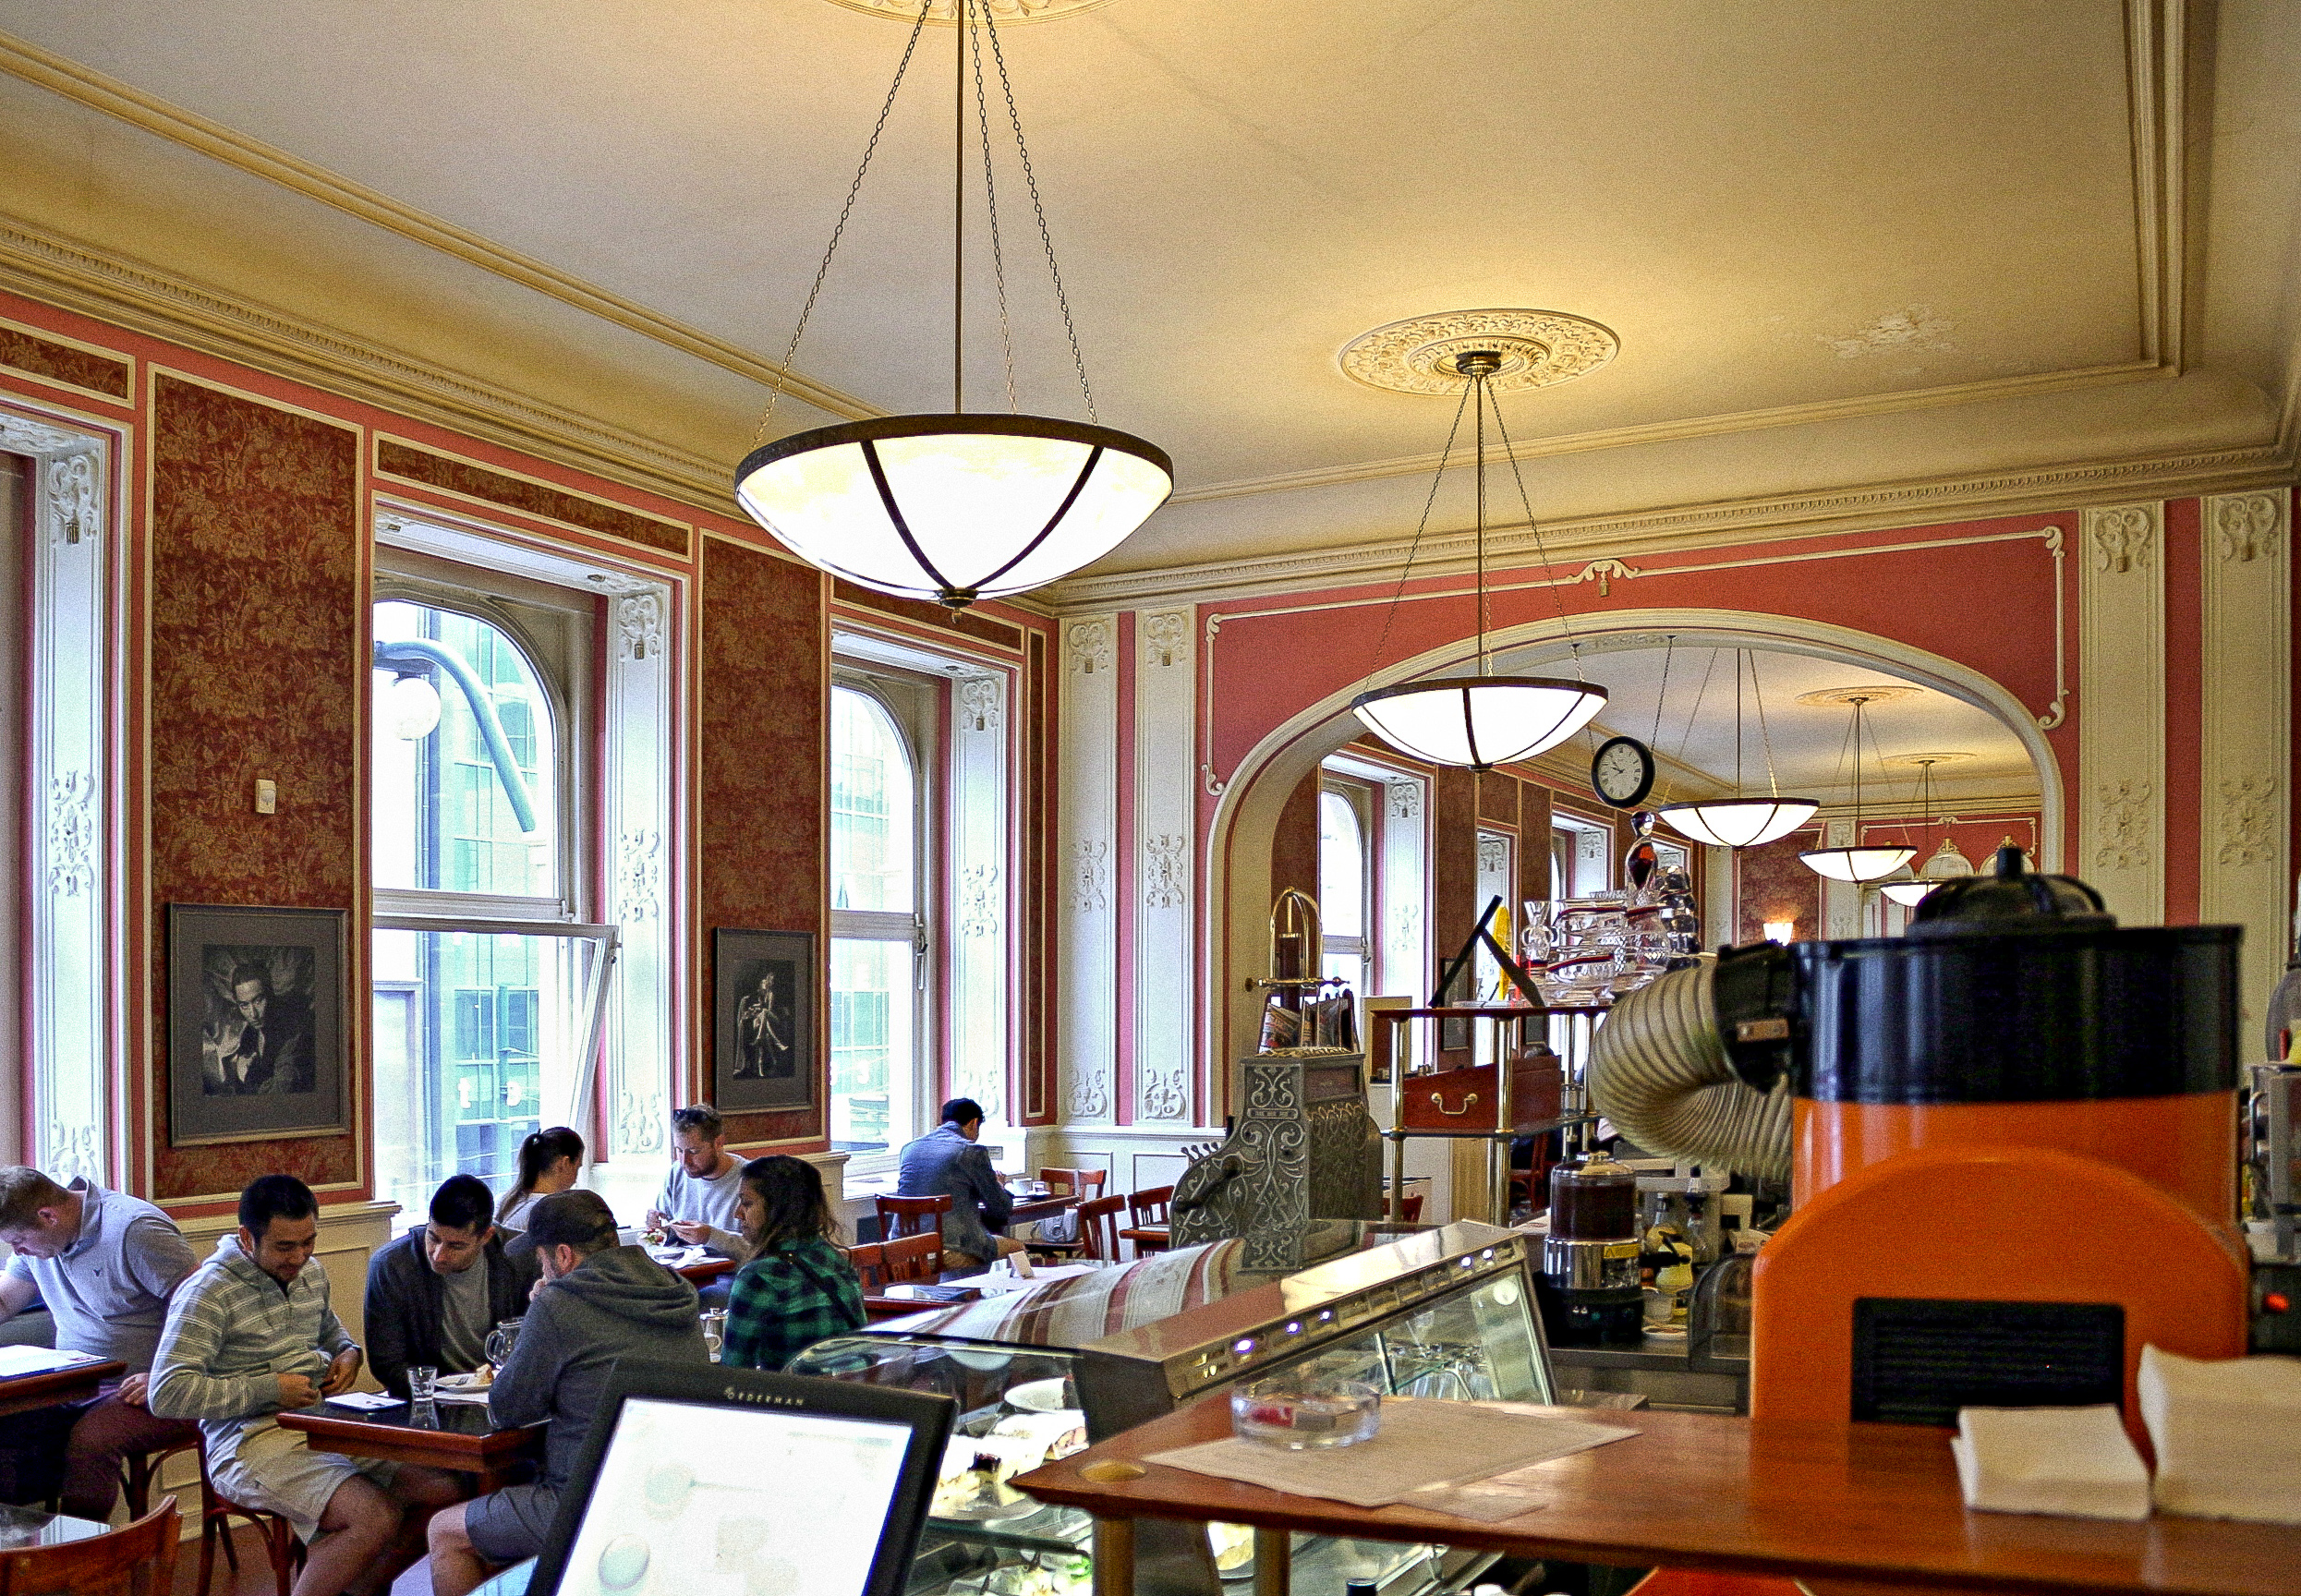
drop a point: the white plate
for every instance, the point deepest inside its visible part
(459, 1382)
(1040, 1395)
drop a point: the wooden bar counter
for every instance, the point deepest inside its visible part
(1878, 1504)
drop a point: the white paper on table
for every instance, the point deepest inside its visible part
(2071, 1462)
(15, 1361)
(366, 1401)
(475, 1398)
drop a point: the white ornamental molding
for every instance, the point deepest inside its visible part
(1090, 876)
(1088, 646)
(1406, 799)
(978, 900)
(979, 702)
(1494, 854)
(72, 497)
(73, 1151)
(945, 13)
(639, 623)
(2123, 539)
(2124, 827)
(2248, 821)
(1164, 1095)
(639, 1122)
(1090, 1097)
(1165, 877)
(71, 833)
(1537, 347)
(18, 436)
(639, 873)
(1166, 639)
(2245, 527)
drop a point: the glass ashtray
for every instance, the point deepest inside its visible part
(1300, 1415)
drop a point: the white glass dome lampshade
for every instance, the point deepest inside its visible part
(1479, 721)
(1739, 822)
(407, 706)
(1908, 894)
(1856, 863)
(954, 508)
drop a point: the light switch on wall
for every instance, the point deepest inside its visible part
(267, 796)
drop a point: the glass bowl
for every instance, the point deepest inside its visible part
(1302, 1414)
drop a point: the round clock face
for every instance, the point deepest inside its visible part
(1622, 772)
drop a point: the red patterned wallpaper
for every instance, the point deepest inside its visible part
(512, 492)
(256, 625)
(42, 358)
(763, 697)
(1773, 883)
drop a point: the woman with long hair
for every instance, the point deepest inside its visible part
(549, 1162)
(798, 1287)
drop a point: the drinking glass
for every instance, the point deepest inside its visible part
(714, 1331)
(423, 1380)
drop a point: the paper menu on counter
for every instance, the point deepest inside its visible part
(1421, 1443)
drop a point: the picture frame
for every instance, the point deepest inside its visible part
(258, 1024)
(763, 1018)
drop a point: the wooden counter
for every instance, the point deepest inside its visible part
(1879, 1504)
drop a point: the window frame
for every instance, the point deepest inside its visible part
(1367, 946)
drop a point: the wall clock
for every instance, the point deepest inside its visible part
(1621, 772)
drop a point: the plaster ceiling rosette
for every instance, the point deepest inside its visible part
(1871, 692)
(945, 13)
(1539, 349)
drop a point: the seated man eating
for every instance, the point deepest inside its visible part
(435, 1293)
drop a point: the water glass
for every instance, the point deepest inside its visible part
(714, 1330)
(423, 1380)
(1303, 1413)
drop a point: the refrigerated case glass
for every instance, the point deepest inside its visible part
(1440, 1315)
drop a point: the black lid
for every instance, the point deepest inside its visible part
(2010, 901)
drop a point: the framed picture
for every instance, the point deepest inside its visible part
(763, 1013)
(257, 1025)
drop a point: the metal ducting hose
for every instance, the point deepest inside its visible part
(1659, 1070)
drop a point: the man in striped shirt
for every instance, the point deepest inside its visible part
(252, 1333)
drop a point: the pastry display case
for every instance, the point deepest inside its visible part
(1447, 1312)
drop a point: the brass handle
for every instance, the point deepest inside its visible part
(1468, 1103)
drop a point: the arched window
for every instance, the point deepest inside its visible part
(1344, 886)
(877, 930)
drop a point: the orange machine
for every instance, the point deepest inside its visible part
(2014, 1155)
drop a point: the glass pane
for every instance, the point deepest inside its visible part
(874, 1016)
(445, 813)
(873, 811)
(477, 1042)
(1341, 867)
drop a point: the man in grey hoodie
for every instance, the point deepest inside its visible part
(596, 1303)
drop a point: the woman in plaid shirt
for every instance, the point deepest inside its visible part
(798, 1288)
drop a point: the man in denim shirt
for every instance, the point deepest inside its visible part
(946, 1162)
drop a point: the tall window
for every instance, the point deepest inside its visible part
(1345, 886)
(486, 990)
(879, 1080)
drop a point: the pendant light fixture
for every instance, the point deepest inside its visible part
(1739, 821)
(1857, 863)
(956, 507)
(1480, 720)
(1946, 865)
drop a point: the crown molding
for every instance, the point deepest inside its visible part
(1573, 542)
(98, 91)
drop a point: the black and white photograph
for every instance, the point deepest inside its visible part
(256, 1023)
(764, 1012)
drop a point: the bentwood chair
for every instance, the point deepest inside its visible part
(1148, 1219)
(1099, 1228)
(911, 1258)
(137, 1559)
(282, 1548)
(900, 1216)
(138, 1470)
(1079, 1183)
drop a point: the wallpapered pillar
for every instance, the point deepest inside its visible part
(1086, 943)
(2121, 709)
(258, 625)
(763, 694)
(2245, 712)
(1166, 866)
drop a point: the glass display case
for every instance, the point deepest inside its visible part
(1445, 1313)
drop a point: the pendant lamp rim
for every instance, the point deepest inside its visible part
(1454, 683)
(1587, 698)
(877, 428)
(1800, 810)
(1896, 856)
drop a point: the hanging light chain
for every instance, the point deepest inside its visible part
(870, 148)
(1542, 548)
(1765, 733)
(1414, 547)
(990, 205)
(1039, 208)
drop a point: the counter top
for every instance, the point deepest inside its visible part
(1877, 1503)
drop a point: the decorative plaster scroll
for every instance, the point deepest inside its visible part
(2124, 827)
(2246, 527)
(1493, 852)
(639, 623)
(73, 1152)
(2123, 539)
(1537, 349)
(20, 436)
(980, 702)
(1406, 798)
(71, 833)
(2249, 821)
(72, 497)
(2058, 710)
(1166, 637)
(978, 900)
(1603, 572)
(640, 1119)
(1165, 877)
(638, 874)
(1090, 1096)
(1166, 1095)
(1090, 876)
(1088, 646)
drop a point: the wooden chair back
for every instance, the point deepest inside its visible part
(1411, 1207)
(1098, 1226)
(911, 1258)
(1074, 1182)
(900, 1216)
(137, 1559)
(869, 1263)
(1150, 1207)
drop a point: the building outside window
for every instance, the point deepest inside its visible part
(1346, 909)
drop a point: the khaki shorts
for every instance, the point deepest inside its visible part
(276, 1471)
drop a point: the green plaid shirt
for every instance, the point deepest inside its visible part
(787, 1299)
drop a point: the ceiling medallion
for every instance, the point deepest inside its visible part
(1923, 761)
(1845, 698)
(1538, 349)
(945, 13)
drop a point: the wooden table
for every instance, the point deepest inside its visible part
(459, 1437)
(1878, 1504)
(22, 1393)
(1027, 1209)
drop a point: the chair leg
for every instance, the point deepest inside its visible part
(207, 1555)
(281, 1545)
